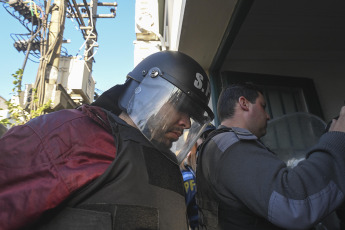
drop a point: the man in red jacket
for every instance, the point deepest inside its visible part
(112, 163)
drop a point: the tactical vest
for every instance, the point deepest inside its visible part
(141, 189)
(214, 214)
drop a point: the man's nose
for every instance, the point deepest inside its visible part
(268, 116)
(184, 120)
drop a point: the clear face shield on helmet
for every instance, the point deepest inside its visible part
(167, 116)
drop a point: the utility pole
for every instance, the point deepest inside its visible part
(90, 30)
(54, 43)
(55, 37)
(49, 44)
(92, 35)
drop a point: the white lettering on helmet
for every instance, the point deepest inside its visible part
(199, 82)
(208, 90)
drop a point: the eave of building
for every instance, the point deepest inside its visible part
(205, 28)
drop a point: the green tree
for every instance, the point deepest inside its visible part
(19, 115)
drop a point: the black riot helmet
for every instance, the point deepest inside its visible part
(167, 77)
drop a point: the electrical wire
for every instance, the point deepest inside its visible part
(94, 42)
(69, 11)
(47, 50)
(64, 52)
(17, 16)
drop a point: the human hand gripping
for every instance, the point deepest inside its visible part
(339, 124)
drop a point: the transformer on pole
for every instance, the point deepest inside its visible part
(44, 42)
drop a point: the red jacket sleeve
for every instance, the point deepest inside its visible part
(46, 160)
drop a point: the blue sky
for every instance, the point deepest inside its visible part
(114, 58)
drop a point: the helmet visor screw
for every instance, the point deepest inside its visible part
(154, 73)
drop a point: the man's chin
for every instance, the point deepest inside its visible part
(163, 145)
(262, 134)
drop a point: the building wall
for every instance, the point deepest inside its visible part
(328, 77)
(146, 29)
(304, 41)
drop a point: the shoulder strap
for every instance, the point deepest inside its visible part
(211, 135)
(217, 131)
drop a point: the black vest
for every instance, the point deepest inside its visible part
(141, 189)
(215, 214)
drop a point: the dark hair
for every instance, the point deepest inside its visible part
(230, 95)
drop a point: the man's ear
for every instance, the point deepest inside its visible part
(244, 103)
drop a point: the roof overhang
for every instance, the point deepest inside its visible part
(207, 26)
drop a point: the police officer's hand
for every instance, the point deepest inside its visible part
(339, 124)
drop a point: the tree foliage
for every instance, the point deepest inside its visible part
(17, 114)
